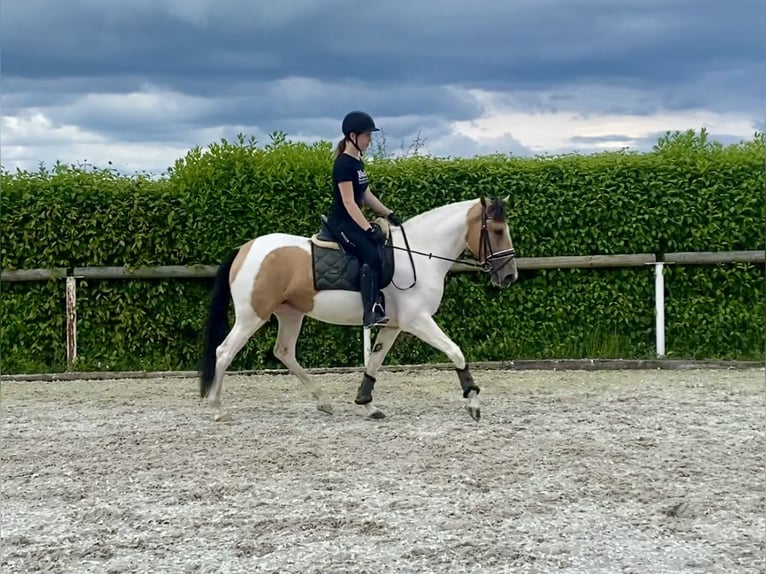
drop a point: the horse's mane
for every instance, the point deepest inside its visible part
(437, 212)
(384, 224)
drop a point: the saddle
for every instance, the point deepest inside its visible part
(334, 268)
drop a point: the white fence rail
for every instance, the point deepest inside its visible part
(565, 262)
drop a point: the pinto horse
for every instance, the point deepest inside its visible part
(291, 277)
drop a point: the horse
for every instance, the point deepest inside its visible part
(292, 276)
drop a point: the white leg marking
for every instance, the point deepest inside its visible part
(380, 348)
(290, 323)
(242, 331)
(425, 328)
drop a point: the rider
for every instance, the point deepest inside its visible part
(350, 191)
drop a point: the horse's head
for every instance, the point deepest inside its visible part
(489, 240)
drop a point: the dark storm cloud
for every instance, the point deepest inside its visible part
(218, 66)
(209, 47)
(292, 105)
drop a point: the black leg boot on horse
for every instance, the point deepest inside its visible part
(374, 315)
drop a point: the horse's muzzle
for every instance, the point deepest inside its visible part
(508, 280)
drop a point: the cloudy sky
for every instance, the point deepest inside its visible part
(139, 82)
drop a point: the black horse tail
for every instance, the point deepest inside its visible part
(217, 325)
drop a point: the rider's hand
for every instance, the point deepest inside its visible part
(376, 233)
(393, 218)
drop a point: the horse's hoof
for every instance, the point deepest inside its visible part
(475, 412)
(223, 418)
(325, 408)
(376, 414)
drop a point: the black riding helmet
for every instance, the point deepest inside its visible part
(358, 122)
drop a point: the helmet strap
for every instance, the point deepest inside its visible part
(356, 146)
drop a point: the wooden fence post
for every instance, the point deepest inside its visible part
(71, 322)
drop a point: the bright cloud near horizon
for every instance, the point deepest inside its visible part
(141, 82)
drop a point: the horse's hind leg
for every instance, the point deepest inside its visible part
(243, 329)
(290, 323)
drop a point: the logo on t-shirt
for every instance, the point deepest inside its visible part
(362, 176)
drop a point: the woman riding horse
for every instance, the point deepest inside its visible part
(346, 220)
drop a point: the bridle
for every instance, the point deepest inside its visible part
(485, 249)
(485, 246)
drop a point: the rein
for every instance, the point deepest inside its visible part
(412, 261)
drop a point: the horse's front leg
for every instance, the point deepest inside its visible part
(425, 328)
(380, 348)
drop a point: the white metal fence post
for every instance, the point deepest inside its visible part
(659, 304)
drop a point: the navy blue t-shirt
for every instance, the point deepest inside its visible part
(346, 168)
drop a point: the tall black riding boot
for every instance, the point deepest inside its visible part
(373, 311)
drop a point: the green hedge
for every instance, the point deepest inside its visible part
(688, 194)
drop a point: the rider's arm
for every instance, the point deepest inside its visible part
(375, 204)
(347, 193)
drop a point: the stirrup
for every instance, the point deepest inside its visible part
(379, 318)
(382, 322)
